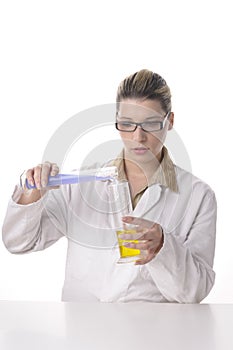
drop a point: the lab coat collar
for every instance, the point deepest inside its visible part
(165, 174)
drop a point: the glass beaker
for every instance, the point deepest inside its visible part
(121, 205)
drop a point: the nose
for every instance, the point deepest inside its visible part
(139, 135)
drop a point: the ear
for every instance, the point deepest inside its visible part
(171, 121)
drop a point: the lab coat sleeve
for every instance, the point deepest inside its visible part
(183, 269)
(34, 226)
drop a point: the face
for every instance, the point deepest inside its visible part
(142, 146)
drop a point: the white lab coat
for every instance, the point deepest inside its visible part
(181, 272)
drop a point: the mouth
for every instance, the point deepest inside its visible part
(140, 150)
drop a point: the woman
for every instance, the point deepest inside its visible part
(175, 213)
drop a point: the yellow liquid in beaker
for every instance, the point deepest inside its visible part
(124, 251)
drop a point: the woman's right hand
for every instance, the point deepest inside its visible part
(38, 176)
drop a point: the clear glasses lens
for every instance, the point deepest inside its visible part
(152, 126)
(147, 126)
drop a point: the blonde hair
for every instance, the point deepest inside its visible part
(145, 85)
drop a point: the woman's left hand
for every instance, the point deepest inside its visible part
(149, 236)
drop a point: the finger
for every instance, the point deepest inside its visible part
(45, 171)
(141, 234)
(132, 236)
(142, 223)
(54, 169)
(132, 220)
(146, 245)
(141, 262)
(29, 176)
(153, 234)
(145, 234)
(145, 260)
(37, 176)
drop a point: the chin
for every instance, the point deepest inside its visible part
(140, 158)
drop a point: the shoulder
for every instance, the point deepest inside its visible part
(187, 181)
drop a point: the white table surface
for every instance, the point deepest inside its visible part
(84, 326)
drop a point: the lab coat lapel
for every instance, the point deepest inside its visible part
(149, 199)
(159, 204)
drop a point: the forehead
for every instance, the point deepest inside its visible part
(133, 108)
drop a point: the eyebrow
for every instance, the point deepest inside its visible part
(148, 118)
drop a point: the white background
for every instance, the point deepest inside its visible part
(61, 57)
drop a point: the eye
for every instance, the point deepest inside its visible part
(153, 123)
(125, 124)
(152, 126)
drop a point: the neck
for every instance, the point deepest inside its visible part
(139, 170)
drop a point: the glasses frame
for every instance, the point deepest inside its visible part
(162, 124)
